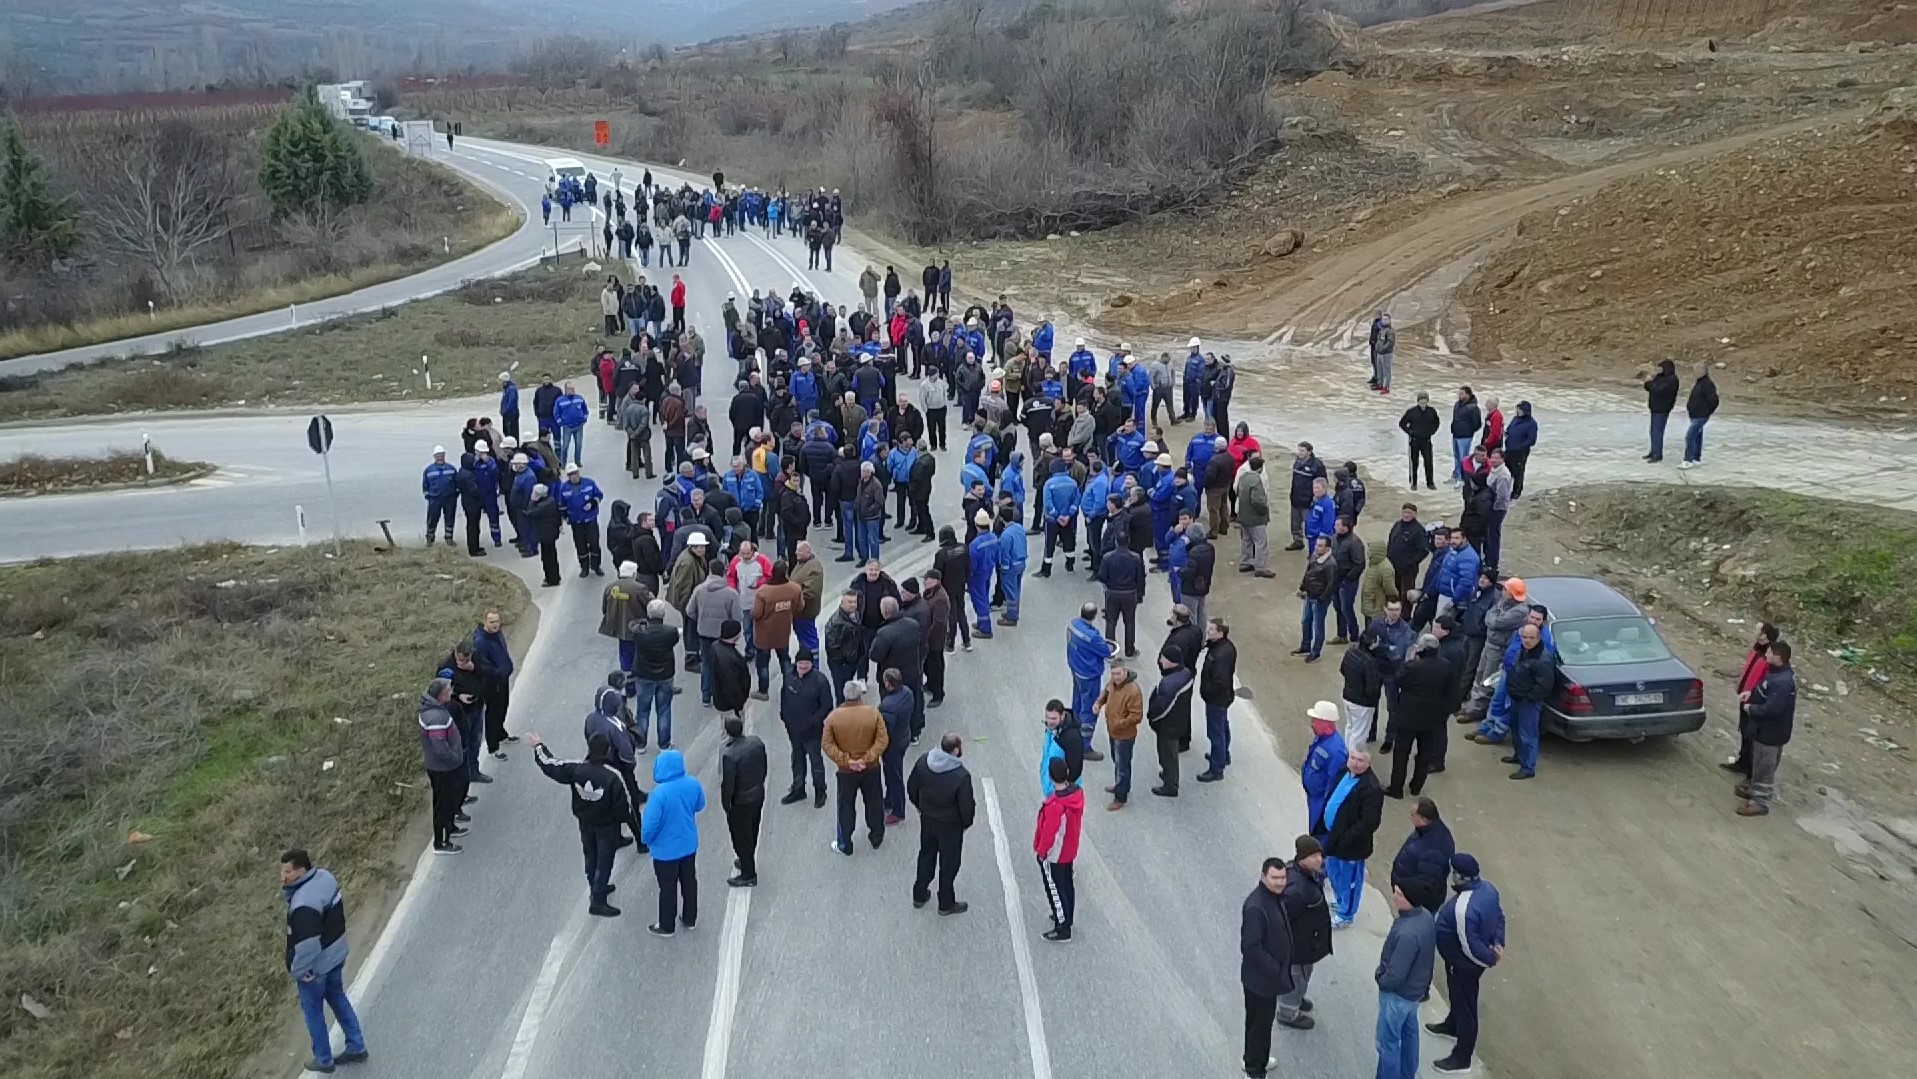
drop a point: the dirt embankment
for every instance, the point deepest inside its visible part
(1789, 259)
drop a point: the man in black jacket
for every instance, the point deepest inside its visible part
(742, 773)
(805, 699)
(1168, 713)
(544, 398)
(1407, 545)
(1425, 857)
(731, 671)
(1349, 556)
(1355, 809)
(1699, 407)
(940, 788)
(1201, 557)
(1217, 688)
(1420, 424)
(600, 804)
(1264, 967)
(1122, 572)
(1661, 399)
(899, 643)
(1426, 686)
(1309, 915)
(1305, 467)
(1771, 707)
(1532, 677)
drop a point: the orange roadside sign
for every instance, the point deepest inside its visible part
(601, 133)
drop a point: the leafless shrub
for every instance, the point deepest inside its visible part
(167, 199)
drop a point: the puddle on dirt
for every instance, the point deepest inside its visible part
(1885, 847)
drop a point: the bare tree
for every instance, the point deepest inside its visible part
(168, 199)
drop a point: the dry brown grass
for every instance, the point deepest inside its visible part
(34, 474)
(193, 699)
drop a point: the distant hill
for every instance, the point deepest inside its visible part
(63, 46)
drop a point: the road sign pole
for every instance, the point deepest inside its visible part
(332, 507)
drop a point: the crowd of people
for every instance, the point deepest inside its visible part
(837, 415)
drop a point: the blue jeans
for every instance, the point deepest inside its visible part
(1397, 1037)
(1311, 628)
(848, 531)
(1658, 422)
(1218, 734)
(1525, 717)
(1348, 626)
(1460, 453)
(762, 660)
(869, 539)
(705, 669)
(572, 441)
(324, 991)
(647, 694)
(807, 630)
(1122, 768)
(1694, 440)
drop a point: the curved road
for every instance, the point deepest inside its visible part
(491, 967)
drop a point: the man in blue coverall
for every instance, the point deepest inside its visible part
(579, 499)
(983, 553)
(1087, 652)
(439, 486)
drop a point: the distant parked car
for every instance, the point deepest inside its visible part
(1616, 676)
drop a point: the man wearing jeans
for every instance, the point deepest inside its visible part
(316, 957)
(1123, 705)
(1699, 407)
(1528, 684)
(654, 662)
(1404, 980)
(570, 413)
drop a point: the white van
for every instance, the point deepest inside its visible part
(562, 168)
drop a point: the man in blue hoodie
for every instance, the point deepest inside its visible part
(1087, 653)
(570, 413)
(1012, 557)
(1060, 496)
(669, 826)
(579, 497)
(316, 957)
(983, 556)
(1470, 932)
(440, 484)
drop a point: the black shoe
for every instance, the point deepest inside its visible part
(470, 799)
(877, 841)
(603, 910)
(1305, 1005)
(957, 908)
(918, 902)
(1339, 640)
(1394, 792)
(461, 818)
(935, 702)
(1301, 651)
(1059, 935)
(1294, 545)
(1508, 759)
(818, 800)
(842, 848)
(658, 931)
(742, 881)
(1448, 1066)
(792, 797)
(447, 848)
(1734, 767)
(624, 842)
(352, 1058)
(482, 778)
(1165, 792)
(1434, 769)
(584, 573)
(1386, 748)
(1299, 1022)
(1244, 569)
(1210, 777)
(314, 1065)
(1264, 574)
(1522, 774)
(1440, 1030)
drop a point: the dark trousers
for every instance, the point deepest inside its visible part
(1421, 451)
(447, 507)
(1260, 1013)
(1122, 606)
(472, 529)
(868, 786)
(585, 544)
(498, 697)
(935, 428)
(1094, 542)
(892, 769)
(678, 891)
(1461, 982)
(1168, 762)
(935, 674)
(742, 821)
(1515, 460)
(599, 842)
(940, 847)
(806, 750)
(1218, 734)
(1060, 890)
(549, 559)
(1427, 746)
(449, 790)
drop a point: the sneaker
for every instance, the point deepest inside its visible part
(1094, 755)
(742, 881)
(1210, 777)
(1522, 774)
(461, 818)
(352, 1058)
(959, 907)
(1244, 569)
(499, 754)
(470, 799)
(1752, 809)
(1447, 1066)
(792, 797)
(659, 931)
(919, 902)
(1299, 1022)
(1059, 935)
(683, 924)
(1271, 1064)
(840, 848)
(1339, 640)
(447, 848)
(460, 833)
(603, 910)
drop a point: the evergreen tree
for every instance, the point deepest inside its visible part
(36, 224)
(310, 163)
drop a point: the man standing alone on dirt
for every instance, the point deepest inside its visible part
(1772, 708)
(316, 957)
(1420, 424)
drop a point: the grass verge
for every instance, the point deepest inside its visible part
(488, 220)
(33, 474)
(1821, 569)
(543, 319)
(227, 702)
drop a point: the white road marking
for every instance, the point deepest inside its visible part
(779, 257)
(1021, 948)
(731, 268)
(539, 1001)
(725, 992)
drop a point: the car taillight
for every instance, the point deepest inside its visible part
(1694, 696)
(1576, 701)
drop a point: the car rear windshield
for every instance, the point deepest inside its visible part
(1601, 642)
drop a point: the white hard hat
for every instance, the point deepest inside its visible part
(1151, 447)
(1219, 443)
(437, 450)
(1193, 343)
(482, 447)
(1164, 460)
(1080, 342)
(508, 442)
(697, 539)
(628, 569)
(699, 453)
(505, 376)
(982, 518)
(1124, 346)
(519, 459)
(573, 467)
(1323, 711)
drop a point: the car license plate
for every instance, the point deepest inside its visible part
(1626, 700)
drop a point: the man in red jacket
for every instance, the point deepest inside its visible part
(1060, 817)
(678, 304)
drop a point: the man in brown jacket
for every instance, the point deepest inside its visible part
(938, 632)
(855, 738)
(1123, 705)
(622, 612)
(809, 574)
(774, 607)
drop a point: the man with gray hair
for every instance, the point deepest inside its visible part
(855, 740)
(445, 755)
(1425, 686)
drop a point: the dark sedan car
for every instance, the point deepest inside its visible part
(1616, 677)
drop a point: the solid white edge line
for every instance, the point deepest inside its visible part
(725, 991)
(536, 1004)
(1021, 948)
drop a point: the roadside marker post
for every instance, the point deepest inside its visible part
(319, 435)
(299, 519)
(146, 451)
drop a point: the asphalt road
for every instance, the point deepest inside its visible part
(491, 966)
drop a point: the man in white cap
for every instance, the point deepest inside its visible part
(579, 497)
(1080, 365)
(441, 489)
(1193, 383)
